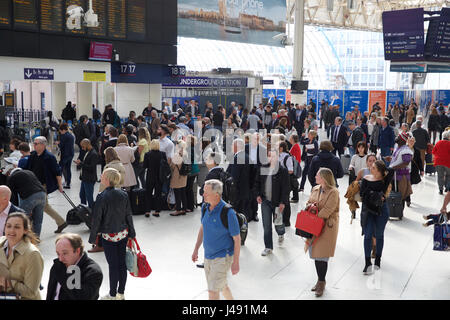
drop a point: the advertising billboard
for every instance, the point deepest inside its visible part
(249, 21)
(380, 97)
(354, 98)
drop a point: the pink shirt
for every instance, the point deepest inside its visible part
(3, 217)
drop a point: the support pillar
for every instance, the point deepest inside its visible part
(299, 34)
(84, 99)
(58, 98)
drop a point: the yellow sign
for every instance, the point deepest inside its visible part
(97, 76)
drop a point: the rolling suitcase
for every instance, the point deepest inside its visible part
(395, 203)
(82, 212)
(429, 165)
(345, 162)
(137, 200)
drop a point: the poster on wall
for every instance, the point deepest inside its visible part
(354, 98)
(333, 97)
(281, 95)
(443, 96)
(393, 97)
(269, 94)
(312, 94)
(426, 97)
(380, 97)
(248, 21)
(288, 95)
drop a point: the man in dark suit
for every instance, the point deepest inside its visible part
(88, 174)
(356, 134)
(6, 207)
(299, 119)
(63, 284)
(273, 122)
(339, 136)
(240, 170)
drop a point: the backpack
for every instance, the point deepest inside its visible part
(297, 172)
(185, 169)
(242, 220)
(164, 170)
(229, 193)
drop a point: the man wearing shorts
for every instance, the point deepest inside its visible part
(222, 245)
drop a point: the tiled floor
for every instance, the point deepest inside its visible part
(410, 268)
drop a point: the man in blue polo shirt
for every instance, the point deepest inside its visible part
(222, 245)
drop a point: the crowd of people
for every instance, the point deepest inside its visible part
(181, 159)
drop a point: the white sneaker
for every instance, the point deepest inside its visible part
(108, 297)
(280, 239)
(120, 296)
(266, 252)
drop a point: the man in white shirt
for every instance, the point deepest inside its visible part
(253, 120)
(165, 144)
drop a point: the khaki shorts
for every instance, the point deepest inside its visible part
(216, 272)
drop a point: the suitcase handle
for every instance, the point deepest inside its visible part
(68, 199)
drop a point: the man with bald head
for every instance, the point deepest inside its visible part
(6, 207)
(63, 283)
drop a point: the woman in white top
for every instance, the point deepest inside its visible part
(371, 123)
(358, 161)
(126, 155)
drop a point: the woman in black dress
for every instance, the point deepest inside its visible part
(374, 212)
(152, 162)
(433, 124)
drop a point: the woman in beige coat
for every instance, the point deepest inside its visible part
(326, 197)
(21, 264)
(178, 182)
(112, 161)
(126, 156)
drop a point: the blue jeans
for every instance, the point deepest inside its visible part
(268, 212)
(65, 165)
(351, 151)
(385, 151)
(375, 227)
(87, 193)
(34, 208)
(115, 256)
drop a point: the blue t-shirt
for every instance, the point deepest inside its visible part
(218, 240)
(23, 163)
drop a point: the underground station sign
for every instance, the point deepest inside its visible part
(38, 74)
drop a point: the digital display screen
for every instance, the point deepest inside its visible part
(5, 12)
(25, 17)
(136, 14)
(51, 13)
(117, 19)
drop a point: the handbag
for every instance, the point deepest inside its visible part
(8, 296)
(131, 257)
(440, 243)
(309, 223)
(143, 268)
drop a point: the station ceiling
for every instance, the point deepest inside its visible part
(357, 14)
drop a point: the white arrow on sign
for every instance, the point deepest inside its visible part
(28, 73)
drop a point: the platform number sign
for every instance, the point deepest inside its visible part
(128, 68)
(178, 71)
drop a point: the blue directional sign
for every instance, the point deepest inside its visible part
(38, 74)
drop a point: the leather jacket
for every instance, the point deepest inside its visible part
(112, 214)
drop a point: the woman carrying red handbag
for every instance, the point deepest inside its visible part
(326, 197)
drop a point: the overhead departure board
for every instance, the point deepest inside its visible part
(136, 14)
(80, 3)
(404, 34)
(441, 50)
(5, 12)
(51, 13)
(25, 17)
(117, 19)
(99, 7)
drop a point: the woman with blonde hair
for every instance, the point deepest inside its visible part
(139, 154)
(126, 156)
(178, 182)
(113, 161)
(112, 218)
(21, 263)
(152, 162)
(325, 196)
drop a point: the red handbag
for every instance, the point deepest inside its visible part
(143, 268)
(309, 222)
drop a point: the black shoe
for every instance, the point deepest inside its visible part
(201, 265)
(408, 203)
(441, 192)
(294, 200)
(61, 227)
(66, 187)
(287, 225)
(378, 261)
(368, 268)
(256, 219)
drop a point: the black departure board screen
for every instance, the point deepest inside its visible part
(51, 13)
(442, 46)
(99, 7)
(136, 14)
(80, 3)
(25, 15)
(117, 19)
(5, 11)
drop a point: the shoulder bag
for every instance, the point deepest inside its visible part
(8, 296)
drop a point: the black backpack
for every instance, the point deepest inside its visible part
(185, 169)
(164, 170)
(229, 193)
(242, 220)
